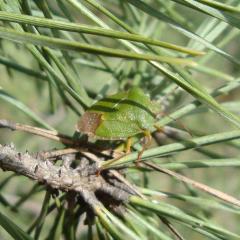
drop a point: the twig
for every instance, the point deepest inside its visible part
(60, 152)
(221, 195)
(82, 180)
(116, 174)
(56, 136)
(53, 135)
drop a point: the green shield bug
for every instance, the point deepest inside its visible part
(120, 117)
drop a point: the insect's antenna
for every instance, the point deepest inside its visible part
(175, 120)
(182, 125)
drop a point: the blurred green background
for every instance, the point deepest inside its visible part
(34, 93)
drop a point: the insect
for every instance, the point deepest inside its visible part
(121, 116)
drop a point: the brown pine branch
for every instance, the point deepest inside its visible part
(56, 136)
(53, 135)
(214, 192)
(81, 180)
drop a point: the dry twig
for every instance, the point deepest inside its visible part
(214, 192)
(81, 180)
(54, 135)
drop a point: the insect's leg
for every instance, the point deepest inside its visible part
(109, 163)
(147, 142)
(128, 145)
(127, 151)
(125, 147)
(159, 129)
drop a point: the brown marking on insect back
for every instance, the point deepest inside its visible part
(89, 122)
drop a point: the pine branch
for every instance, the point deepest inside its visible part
(81, 180)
